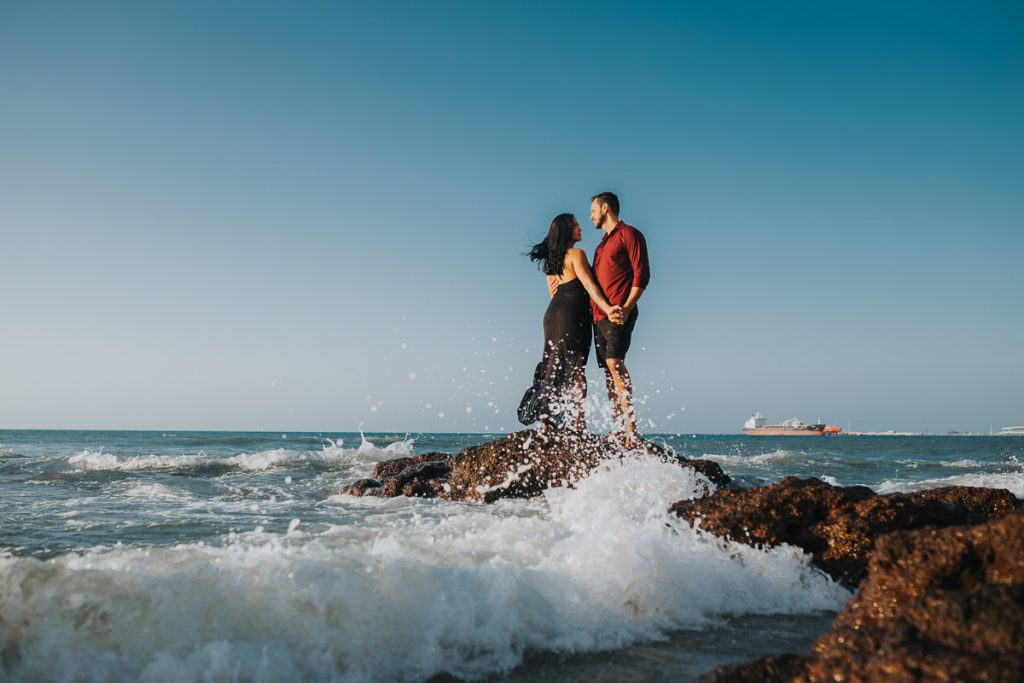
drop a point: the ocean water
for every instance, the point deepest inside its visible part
(216, 556)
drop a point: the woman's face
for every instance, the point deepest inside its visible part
(577, 232)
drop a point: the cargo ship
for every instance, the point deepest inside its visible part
(758, 426)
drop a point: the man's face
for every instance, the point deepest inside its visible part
(598, 210)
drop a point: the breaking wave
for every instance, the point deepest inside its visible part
(332, 454)
(448, 587)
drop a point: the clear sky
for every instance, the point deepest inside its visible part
(285, 216)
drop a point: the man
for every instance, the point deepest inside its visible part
(622, 270)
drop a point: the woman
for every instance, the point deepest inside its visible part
(559, 382)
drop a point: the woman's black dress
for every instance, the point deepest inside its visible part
(559, 382)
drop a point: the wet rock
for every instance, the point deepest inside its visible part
(772, 669)
(422, 480)
(836, 525)
(710, 469)
(361, 487)
(525, 463)
(937, 605)
(983, 502)
(421, 476)
(520, 465)
(390, 468)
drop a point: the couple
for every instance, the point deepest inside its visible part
(602, 300)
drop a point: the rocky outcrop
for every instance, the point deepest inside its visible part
(837, 526)
(421, 476)
(523, 464)
(390, 468)
(520, 465)
(937, 605)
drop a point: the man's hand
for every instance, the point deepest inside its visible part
(617, 315)
(552, 285)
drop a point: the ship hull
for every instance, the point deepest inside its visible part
(770, 430)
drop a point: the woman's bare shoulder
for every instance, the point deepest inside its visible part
(577, 254)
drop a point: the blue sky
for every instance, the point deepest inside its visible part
(262, 216)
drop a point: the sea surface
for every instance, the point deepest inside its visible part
(224, 556)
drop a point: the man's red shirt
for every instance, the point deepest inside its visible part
(620, 263)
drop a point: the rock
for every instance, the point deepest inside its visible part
(984, 502)
(836, 525)
(771, 669)
(390, 468)
(421, 476)
(520, 465)
(361, 487)
(710, 469)
(523, 464)
(937, 605)
(422, 480)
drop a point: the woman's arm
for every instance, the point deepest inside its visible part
(582, 268)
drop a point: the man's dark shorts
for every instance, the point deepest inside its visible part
(611, 340)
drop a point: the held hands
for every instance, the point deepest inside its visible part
(618, 315)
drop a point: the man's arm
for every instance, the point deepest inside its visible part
(634, 295)
(636, 248)
(553, 282)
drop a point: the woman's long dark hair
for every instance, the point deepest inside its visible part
(551, 252)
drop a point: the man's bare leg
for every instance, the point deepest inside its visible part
(620, 393)
(613, 397)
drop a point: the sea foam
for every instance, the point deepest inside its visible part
(332, 454)
(759, 459)
(448, 587)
